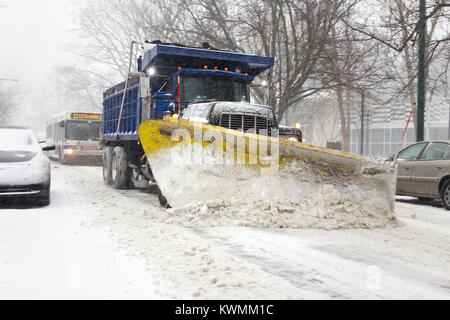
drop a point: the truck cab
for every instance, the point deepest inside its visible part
(184, 79)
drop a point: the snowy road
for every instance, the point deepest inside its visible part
(94, 242)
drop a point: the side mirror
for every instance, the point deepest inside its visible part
(48, 148)
(62, 124)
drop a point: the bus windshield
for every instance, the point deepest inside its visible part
(83, 130)
(198, 88)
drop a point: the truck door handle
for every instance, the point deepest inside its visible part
(407, 168)
(440, 167)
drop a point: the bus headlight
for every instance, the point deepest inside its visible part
(69, 151)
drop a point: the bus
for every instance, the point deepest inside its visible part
(76, 136)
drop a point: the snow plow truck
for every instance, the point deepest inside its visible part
(185, 122)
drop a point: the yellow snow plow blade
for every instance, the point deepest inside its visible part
(195, 163)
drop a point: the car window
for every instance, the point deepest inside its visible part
(447, 153)
(18, 140)
(411, 153)
(435, 151)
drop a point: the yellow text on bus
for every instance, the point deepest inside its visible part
(86, 116)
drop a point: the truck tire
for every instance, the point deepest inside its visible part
(445, 195)
(107, 164)
(120, 172)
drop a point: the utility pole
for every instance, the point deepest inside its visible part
(422, 73)
(363, 105)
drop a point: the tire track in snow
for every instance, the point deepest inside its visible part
(301, 276)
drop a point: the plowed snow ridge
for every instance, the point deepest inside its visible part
(315, 213)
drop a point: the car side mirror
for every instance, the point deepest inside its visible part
(48, 148)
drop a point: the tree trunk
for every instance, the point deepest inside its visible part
(345, 128)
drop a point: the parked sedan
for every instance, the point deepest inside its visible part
(24, 168)
(424, 171)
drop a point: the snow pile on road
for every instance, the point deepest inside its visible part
(326, 210)
(300, 189)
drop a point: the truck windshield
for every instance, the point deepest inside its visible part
(83, 130)
(197, 88)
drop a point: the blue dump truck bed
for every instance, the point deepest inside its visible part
(132, 111)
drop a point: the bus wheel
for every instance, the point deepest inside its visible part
(107, 164)
(120, 172)
(60, 157)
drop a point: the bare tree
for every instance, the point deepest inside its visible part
(294, 32)
(107, 28)
(398, 32)
(79, 88)
(354, 65)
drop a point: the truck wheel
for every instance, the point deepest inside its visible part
(107, 164)
(120, 172)
(445, 195)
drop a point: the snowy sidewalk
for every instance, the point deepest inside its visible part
(47, 253)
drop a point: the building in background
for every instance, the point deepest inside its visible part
(384, 126)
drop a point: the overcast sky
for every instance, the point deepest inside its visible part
(34, 35)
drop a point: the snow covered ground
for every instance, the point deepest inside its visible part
(94, 242)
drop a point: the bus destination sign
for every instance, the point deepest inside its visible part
(86, 116)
